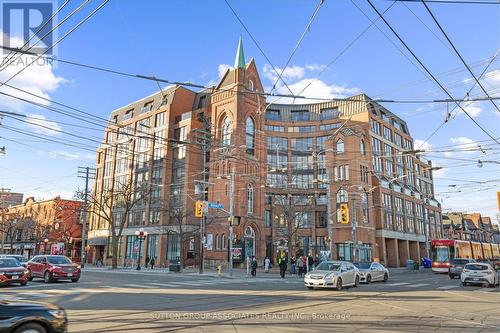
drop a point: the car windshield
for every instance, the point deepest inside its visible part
(460, 262)
(363, 265)
(59, 260)
(9, 262)
(476, 267)
(328, 266)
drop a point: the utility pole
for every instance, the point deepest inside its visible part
(231, 217)
(87, 173)
(204, 139)
(354, 235)
(329, 208)
(426, 231)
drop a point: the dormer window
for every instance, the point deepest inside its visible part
(250, 85)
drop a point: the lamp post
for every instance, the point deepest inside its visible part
(46, 242)
(141, 235)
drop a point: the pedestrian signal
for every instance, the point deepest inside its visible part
(344, 213)
(198, 209)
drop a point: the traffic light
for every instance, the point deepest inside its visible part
(344, 213)
(198, 209)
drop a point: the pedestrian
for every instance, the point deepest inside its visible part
(292, 265)
(254, 267)
(282, 264)
(304, 264)
(316, 261)
(300, 266)
(147, 262)
(310, 263)
(152, 262)
(267, 263)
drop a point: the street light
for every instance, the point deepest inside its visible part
(141, 235)
(480, 163)
(46, 242)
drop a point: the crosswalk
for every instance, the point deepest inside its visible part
(411, 285)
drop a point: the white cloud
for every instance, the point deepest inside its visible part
(465, 145)
(493, 78)
(473, 109)
(40, 124)
(290, 73)
(314, 67)
(421, 144)
(38, 78)
(222, 69)
(67, 155)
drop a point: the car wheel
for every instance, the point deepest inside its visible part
(356, 281)
(46, 277)
(309, 287)
(452, 276)
(338, 287)
(24, 283)
(464, 284)
(368, 279)
(31, 275)
(386, 277)
(75, 279)
(31, 328)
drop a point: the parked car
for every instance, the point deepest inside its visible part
(457, 265)
(496, 263)
(12, 272)
(332, 274)
(370, 272)
(32, 317)
(22, 259)
(479, 273)
(53, 267)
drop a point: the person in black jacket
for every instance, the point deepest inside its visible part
(282, 264)
(254, 267)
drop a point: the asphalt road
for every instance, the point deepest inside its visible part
(130, 302)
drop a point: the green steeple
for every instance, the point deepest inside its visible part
(239, 61)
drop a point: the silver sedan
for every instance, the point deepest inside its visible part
(370, 272)
(332, 274)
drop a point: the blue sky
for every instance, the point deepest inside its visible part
(194, 40)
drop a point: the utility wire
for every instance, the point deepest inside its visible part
(451, 2)
(257, 44)
(458, 53)
(429, 72)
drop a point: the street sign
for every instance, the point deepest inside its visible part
(215, 205)
(205, 207)
(198, 209)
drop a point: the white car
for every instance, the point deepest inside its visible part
(479, 273)
(370, 272)
(332, 274)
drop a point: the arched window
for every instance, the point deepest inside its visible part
(250, 136)
(342, 196)
(340, 146)
(224, 241)
(362, 147)
(217, 242)
(250, 199)
(250, 85)
(226, 132)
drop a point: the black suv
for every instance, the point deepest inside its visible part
(25, 316)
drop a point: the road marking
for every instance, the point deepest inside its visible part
(398, 284)
(485, 290)
(418, 285)
(132, 285)
(448, 287)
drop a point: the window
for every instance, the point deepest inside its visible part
(226, 132)
(250, 199)
(267, 219)
(224, 241)
(364, 206)
(375, 127)
(273, 115)
(250, 85)
(110, 248)
(341, 172)
(128, 114)
(147, 107)
(300, 115)
(129, 250)
(174, 247)
(342, 196)
(201, 101)
(274, 128)
(302, 144)
(340, 146)
(250, 135)
(217, 242)
(387, 133)
(160, 119)
(152, 246)
(330, 113)
(329, 127)
(321, 217)
(362, 148)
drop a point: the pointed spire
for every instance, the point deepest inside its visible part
(239, 61)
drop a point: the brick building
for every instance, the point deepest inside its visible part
(472, 226)
(26, 226)
(292, 167)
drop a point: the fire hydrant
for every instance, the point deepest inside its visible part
(219, 269)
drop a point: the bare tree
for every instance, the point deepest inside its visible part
(10, 226)
(292, 214)
(113, 207)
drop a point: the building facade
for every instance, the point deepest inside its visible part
(36, 227)
(471, 226)
(340, 175)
